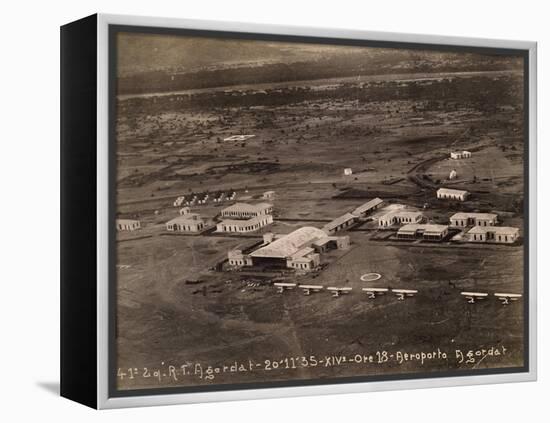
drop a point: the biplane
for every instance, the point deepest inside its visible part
(337, 291)
(402, 293)
(506, 297)
(472, 297)
(284, 286)
(308, 289)
(374, 292)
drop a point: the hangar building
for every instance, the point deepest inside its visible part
(299, 250)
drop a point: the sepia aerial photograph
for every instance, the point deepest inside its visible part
(295, 211)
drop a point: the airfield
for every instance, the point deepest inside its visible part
(177, 304)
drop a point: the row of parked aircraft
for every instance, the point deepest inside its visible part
(341, 290)
(472, 297)
(504, 297)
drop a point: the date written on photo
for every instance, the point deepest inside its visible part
(208, 372)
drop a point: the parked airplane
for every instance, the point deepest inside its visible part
(505, 298)
(337, 291)
(402, 293)
(373, 292)
(283, 286)
(472, 297)
(308, 289)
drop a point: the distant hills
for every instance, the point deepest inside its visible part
(162, 63)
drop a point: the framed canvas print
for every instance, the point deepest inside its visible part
(254, 211)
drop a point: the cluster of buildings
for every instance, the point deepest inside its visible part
(238, 218)
(204, 197)
(426, 231)
(477, 227)
(302, 248)
(349, 218)
(484, 228)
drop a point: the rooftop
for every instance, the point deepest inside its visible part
(338, 221)
(499, 230)
(401, 213)
(289, 244)
(462, 215)
(302, 253)
(452, 191)
(426, 227)
(126, 221)
(251, 221)
(189, 219)
(409, 213)
(367, 206)
(245, 207)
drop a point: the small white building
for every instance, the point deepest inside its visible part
(399, 217)
(348, 171)
(498, 234)
(237, 258)
(456, 155)
(268, 195)
(127, 225)
(187, 223)
(184, 211)
(473, 219)
(452, 194)
(246, 211)
(243, 226)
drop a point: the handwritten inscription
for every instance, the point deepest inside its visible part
(204, 371)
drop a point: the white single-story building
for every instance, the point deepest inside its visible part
(452, 194)
(498, 234)
(348, 171)
(368, 207)
(399, 217)
(127, 225)
(455, 155)
(237, 258)
(474, 219)
(340, 223)
(243, 226)
(305, 259)
(268, 195)
(185, 210)
(245, 211)
(187, 223)
(427, 232)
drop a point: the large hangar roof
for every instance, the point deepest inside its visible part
(289, 244)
